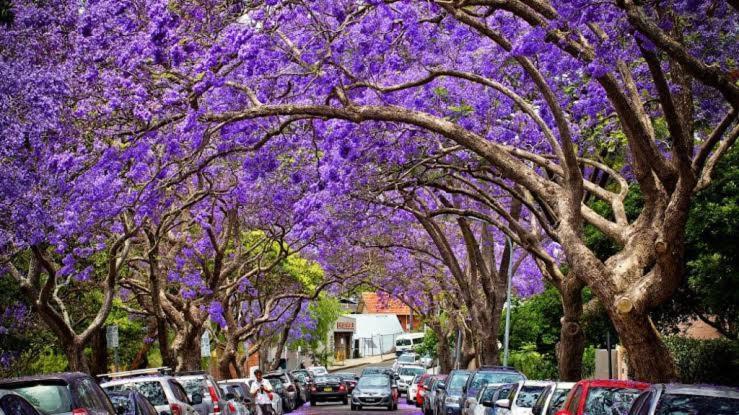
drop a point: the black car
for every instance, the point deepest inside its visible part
(687, 399)
(131, 403)
(328, 388)
(375, 391)
(448, 399)
(62, 393)
(13, 404)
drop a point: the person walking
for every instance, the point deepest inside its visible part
(261, 389)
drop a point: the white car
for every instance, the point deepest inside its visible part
(405, 359)
(317, 371)
(553, 398)
(412, 391)
(522, 398)
(407, 374)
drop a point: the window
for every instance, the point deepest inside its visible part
(575, 402)
(457, 381)
(538, 407)
(152, 391)
(122, 404)
(178, 391)
(87, 395)
(411, 371)
(403, 342)
(15, 405)
(373, 381)
(193, 386)
(50, 398)
(528, 395)
(559, 396)
(610, 401)
(641, 404)
(483, 378)
(696, 404)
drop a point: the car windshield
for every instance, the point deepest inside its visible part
(373, 382)
(318, 371)
(403, 342)
(152, 391)
(528, 395)
(559, 396)
(406, 358)
(277, 383)
(696, 404)
(411, 371)
(52, 399)
(457, 381)
(610, 401)
(484, 378)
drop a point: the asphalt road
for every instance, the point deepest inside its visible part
(331, 408)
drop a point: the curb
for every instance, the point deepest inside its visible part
(353, 365)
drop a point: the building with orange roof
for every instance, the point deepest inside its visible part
(374, 303)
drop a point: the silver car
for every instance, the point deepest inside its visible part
(202, 383)
(162, 391)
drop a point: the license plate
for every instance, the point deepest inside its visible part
(328, 389)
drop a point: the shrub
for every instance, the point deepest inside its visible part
(705, 361)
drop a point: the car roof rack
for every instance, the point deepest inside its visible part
(191, 373)
(164, 371)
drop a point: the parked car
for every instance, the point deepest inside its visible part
(328, 388)
(423, 388)
(406, 375)
(291, 393)
(404, 360)
(349, 379)
(374, 391)
(376, 370)
(235, 400)
(61, 393)
(450, 398)
(488, 396)
(484, 376)
(553, 398)
(595, 396)
(522, 397)
(426, 361)
(163, 392)
(203, 384)
(429, 402)
(240, 392)
(412, 391)
(13, 404)
(279, 390)
(131, 403)
(672, 399)
(303, 379)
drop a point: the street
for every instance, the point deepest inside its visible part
(337, 408)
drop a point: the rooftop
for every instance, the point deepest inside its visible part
(378, 304)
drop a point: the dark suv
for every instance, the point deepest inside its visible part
(484, 376)
(62, 393)
(448, 399)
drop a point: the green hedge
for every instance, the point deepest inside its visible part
(705, 361)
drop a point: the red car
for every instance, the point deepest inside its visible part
(423, 387)
(594, 396)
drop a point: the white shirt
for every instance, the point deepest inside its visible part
(262, 398)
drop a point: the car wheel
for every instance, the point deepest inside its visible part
(345, 401)
(312, 402)
(390, 407)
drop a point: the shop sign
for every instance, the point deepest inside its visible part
(345, 325)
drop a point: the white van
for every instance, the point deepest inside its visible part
(407, 342)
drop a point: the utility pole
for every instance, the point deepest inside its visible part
(507, 335)
(458, 349)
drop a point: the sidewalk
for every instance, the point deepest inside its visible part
(352, 363)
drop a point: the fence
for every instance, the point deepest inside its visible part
(376, 345)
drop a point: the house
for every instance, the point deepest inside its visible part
(374, 303)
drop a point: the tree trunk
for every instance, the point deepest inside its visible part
(140, 361)
(227, 361)
(76, 360)
(443, 348)
(99, 363)
(648, 358)
(186, 346)
(571, 345)
(168, 359)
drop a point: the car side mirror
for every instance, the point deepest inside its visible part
(503, 403)
(230, 396)
(441, 386)
(563, 412)
(464, 390)
(196, 399)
